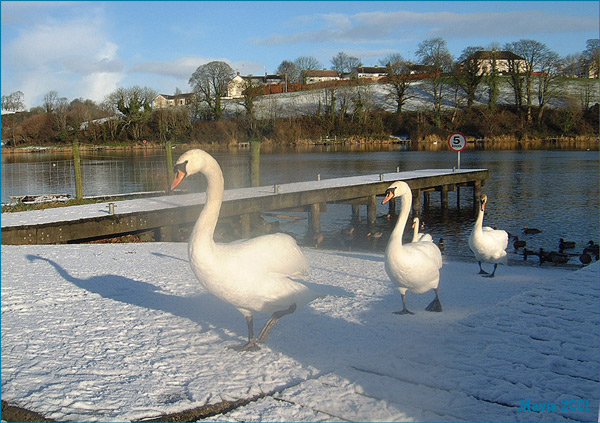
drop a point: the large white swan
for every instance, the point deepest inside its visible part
(413, 267)
(253, 275)
(487, 244)
(418, 236)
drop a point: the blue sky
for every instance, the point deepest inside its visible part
(89, 49)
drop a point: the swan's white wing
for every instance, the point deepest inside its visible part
(414, 266)
(490, 246)
(276, 253)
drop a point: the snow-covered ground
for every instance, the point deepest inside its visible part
(118, 332)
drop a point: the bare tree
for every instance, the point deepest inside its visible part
(468, 74)
(548, 85)
(590, 56)
(533, 52)
(344, 63)
(135, 105)
(434, 53)
(209, 82)
(289, 70)
(251, 91)
(399, 79)
(305, 64)
(49, 101)
(13, 102)
(516, 71)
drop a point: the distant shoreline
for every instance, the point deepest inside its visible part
(430, 143)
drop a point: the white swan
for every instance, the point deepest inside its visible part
(413, 267)
(253, 275)
(488, 244)
(417, 236)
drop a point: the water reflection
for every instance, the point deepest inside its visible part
(556, 191)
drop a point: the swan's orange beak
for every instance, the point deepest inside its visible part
(388, 196)
(179, 175)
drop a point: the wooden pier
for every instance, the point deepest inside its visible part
(163, 214)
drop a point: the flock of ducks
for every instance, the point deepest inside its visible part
(265, 274)
(590, 252)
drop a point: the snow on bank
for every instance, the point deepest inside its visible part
(118, 332)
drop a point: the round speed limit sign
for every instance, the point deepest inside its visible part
(457, 141)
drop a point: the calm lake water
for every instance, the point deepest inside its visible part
(554, 191)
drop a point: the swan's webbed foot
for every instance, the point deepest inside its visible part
(491, 275)
(403, 311)
(435, 305)
(481, 271)
(251, 345)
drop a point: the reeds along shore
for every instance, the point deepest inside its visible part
(429, 143)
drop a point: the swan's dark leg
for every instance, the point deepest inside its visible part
(404, 309)
(264, 333)
(251, 345)
(481, 271)
(435, 305)
(494, 271)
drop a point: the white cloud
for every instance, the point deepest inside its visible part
(73, 57)
(373, 27)
(184, 67)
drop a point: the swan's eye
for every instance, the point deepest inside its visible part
(180, 167)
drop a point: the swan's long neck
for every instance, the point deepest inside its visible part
(406, 203)
(204, 228)
(415, 229)
(479, 220)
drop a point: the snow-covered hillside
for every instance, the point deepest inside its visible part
(377, 96)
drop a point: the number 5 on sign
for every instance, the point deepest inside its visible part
(457, 142)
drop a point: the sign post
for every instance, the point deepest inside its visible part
(457, 142)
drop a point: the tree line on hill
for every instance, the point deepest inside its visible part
(127, 116)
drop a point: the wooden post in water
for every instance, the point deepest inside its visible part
(476, 193)
(392, 207)
(355, 212)
(169, 160)
(245, 225)
(444, 197)
(416, 194)
(315, 219)
(255, 163)
(371, 209)
(78, 174)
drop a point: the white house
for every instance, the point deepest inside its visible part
(162, 101)
(503, 61)
(314, 76)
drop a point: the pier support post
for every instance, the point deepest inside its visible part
(444, 197)
(416, 202)
(371, 209)
(167, 234)
(392, 207)
(476, 193)
(245, 225)
(355, 213)
(314, 219)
